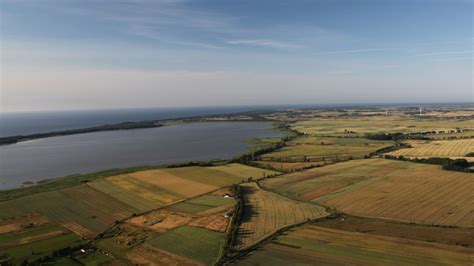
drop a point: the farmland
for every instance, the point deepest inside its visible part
(415, 193)
(439, 148)
(196, 243)
(311, 184)
(386, 189)
(360, 126)
(315, 149)
(98, 204)
(32, 241)
(312, 244)
(265, 213)
(321, 197)
(202, 204)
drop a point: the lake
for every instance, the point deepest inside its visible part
(83, 153)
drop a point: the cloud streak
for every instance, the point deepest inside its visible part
(266, 43)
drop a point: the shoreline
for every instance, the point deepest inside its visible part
(251, 117)
(55, 182)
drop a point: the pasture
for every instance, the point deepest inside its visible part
(197, 244)
(312, 244)
(265, 213)
(439, 148)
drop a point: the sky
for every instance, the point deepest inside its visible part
(98, 54)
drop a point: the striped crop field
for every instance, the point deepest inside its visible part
(439, 148)
(387, 189)
(314, 245)
(311, 184)
(91, 208)
(266, 212)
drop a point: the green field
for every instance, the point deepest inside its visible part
(12, 236)
(202, 203)
(194, 243)
(42, 248)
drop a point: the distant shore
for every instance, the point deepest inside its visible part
(242, 117)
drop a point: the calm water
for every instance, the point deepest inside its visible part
(39, 122)
(59, 156)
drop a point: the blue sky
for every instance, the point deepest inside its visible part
(142, 53)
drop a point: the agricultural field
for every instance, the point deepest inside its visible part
(82, 209)
(440, 148)
(203, 204)
(311, 244)
(360, 126)
(316, 149)
(195, 243)
(309, 185)
(456, 236)
(404, 191)
(244, 172)
(93, 207)
(264, 213)
(285, 167)
(22, 241)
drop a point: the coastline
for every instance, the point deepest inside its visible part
(81, 178)
(236, 117)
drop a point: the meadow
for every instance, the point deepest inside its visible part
(197, 244)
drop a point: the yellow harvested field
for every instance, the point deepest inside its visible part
(145, 190)
(425, 194)
(314, 183)
(439, 148)
(364, 125)
(182, 186)
(266, 212)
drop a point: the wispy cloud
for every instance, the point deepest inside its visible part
(266, 43)
(356, 51)
(447, 53)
